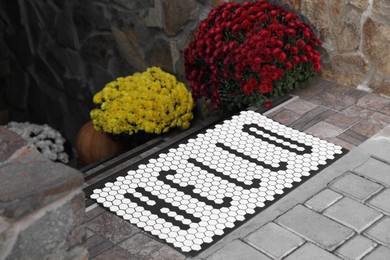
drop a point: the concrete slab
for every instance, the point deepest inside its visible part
(382, 201)
(380, 253)
(238, 250)
(323, 200)
(380, 231)
(309, 251)
(274, 240)
(315, 227)
(355, 186)
(375, 170)
(353, 214)
(356, 248)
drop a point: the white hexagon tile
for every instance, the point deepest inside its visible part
(193, 193)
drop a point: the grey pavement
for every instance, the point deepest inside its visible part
(342, 213)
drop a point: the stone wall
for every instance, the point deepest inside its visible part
(41, 205)
(356, 35)
(56, 54)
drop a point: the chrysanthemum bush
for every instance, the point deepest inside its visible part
(151, 102)
(247, 54)
(45, 139)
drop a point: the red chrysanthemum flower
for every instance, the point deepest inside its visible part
(247, 54)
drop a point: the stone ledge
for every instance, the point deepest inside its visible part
(41, 204)
(28, 180)
(10, 142)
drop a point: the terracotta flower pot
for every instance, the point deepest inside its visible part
(93, 146)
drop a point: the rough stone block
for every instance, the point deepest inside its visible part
(376, 170)
(376, 44)
(353, 214)
(130, 50)
(348, 69)
(380, 253)
(35, 182)
(347, 31)
(308, 251)
(237, 250)
(356, 248)
(382, 201)
(48, 235)
(355, 186)
(381, 7)
(316, 227)
(177, 13)
(361, 4)
(10, 142)
(380, 231)
(314, 11)
(274, 240)
(323, 200)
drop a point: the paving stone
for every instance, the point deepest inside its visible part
(356, 248)
(89, 233)
(355, 93)
(323, 200)
(341, 120)
(315, 227)
(141, 245)
(355, 186)
(237, 250)
(380, 231)
(352, 137)
(300, 106)
(166, 253)
(324, 130)
(311, 118)
(93, 213)
(382, 201)
(373, 101)
(309, 252)
(274, 240)
(386, 110)
(342, 143)
(97, 244)
(376, 170)
(380, 253)
(285, 116)
(366, 128)
(357, 112)
(380, 118)
(112, 227)
(115, 253)
(332, 101)
(353, 214)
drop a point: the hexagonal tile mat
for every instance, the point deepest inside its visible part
(196, 191)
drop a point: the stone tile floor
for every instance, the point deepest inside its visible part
(345, 208)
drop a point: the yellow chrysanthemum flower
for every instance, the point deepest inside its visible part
(152, 101)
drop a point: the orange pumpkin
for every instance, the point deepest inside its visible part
(93, 146)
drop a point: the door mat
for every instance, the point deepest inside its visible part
(194, 192)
